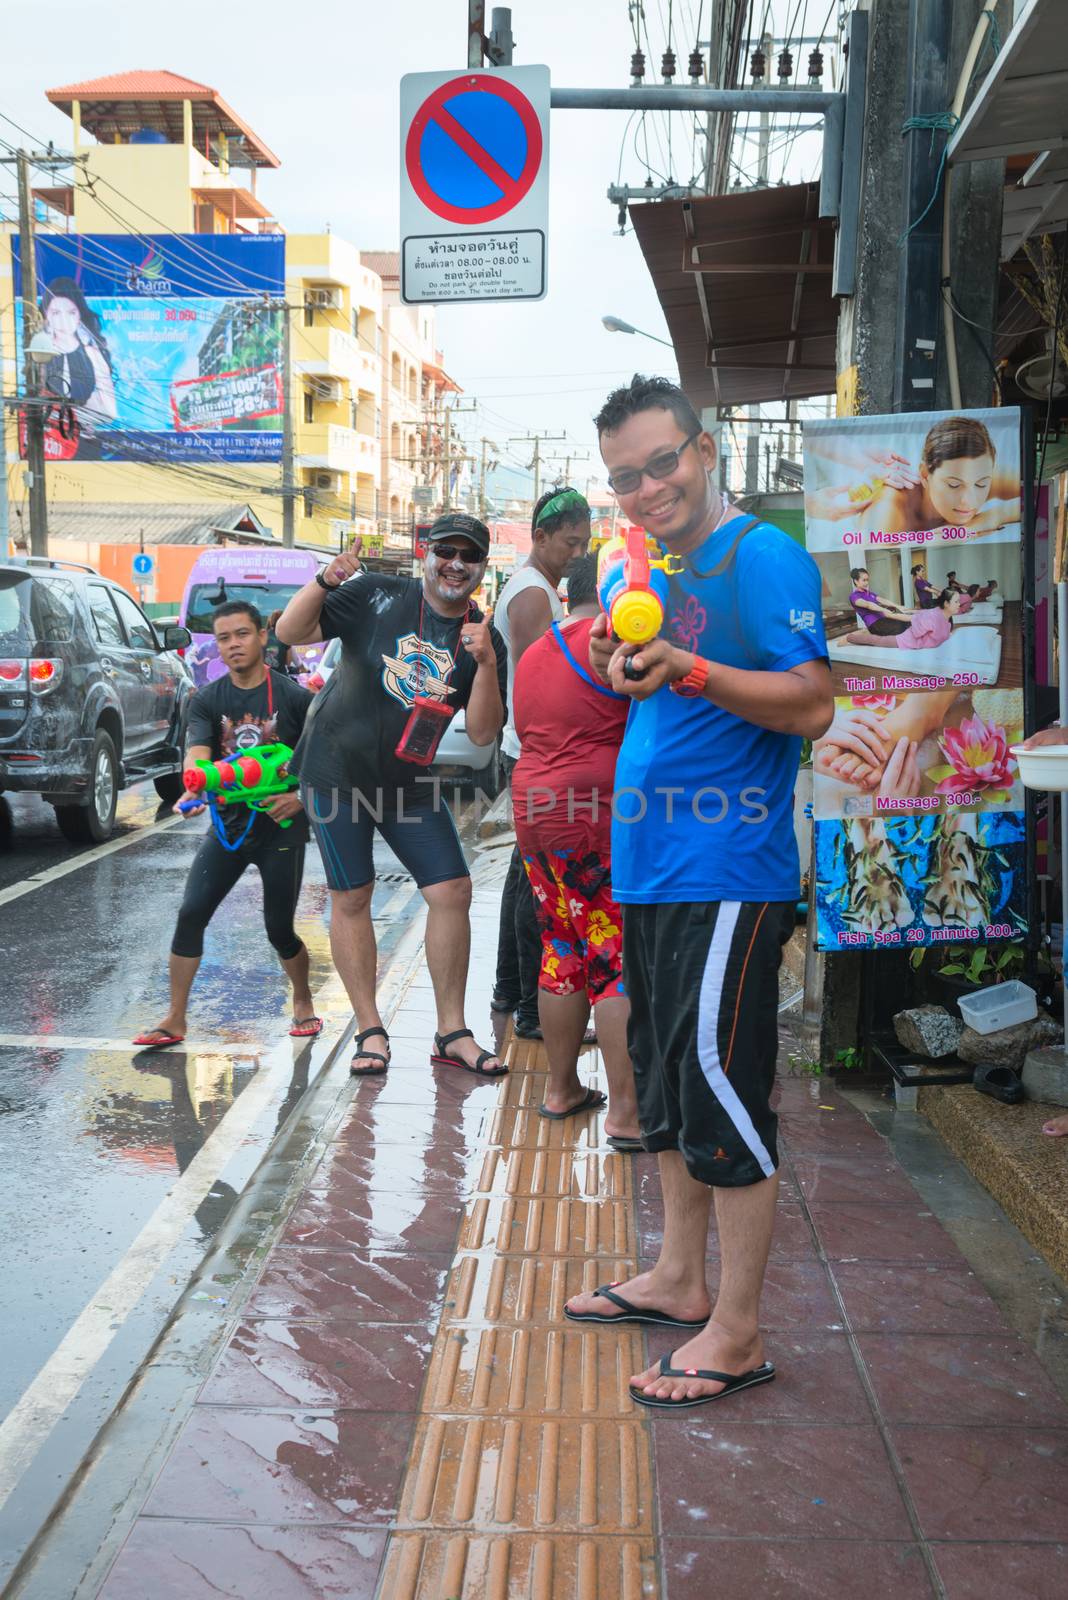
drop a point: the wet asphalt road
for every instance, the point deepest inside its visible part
(93, 1139)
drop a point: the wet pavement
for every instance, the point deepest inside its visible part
(100, 1142)
(384, 1400)
(394, 1406)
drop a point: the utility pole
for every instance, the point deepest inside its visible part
(289, 488)
(537, 439)
(35, 411)
(487, 445)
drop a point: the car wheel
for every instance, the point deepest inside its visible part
(92, 823)
(170, 787)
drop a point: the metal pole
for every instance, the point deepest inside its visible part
(660, 97)
(1062, 679)
(476, 31)
(289, 487)
(5, 523)
(501, 41)
(446, 474)
(35, 414)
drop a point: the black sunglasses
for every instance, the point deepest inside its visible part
(627, 479)
(452, 552)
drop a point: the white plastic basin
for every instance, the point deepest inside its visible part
(1044, 768)
(1001, 1006)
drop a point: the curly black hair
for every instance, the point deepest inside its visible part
(646, 394)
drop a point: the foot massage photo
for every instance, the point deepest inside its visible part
(914, 472)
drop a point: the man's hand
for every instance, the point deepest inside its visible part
(475, 638)
(282, 806)
(1047, 736)
(603, 646)
(195, 810)
(661, 663)
(346, 565)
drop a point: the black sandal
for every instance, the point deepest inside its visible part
(368, 1055)
(442, 1059)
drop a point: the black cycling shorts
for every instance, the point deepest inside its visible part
(278, 855)
(420, 832)
(703, 982)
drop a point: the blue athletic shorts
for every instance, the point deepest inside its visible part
(420, 832)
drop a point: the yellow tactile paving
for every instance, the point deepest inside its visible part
(530, 1476)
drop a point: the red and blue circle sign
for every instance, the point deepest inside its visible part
(474, 149)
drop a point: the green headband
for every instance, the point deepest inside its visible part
(566, 500)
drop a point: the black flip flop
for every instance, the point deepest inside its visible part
(441, 1058)
(593, 1100)
(620, 1142)
(632, 1313)
(1000, 1083)
(360, 1054)
(732, 1383)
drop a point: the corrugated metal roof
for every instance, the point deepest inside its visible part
(745, 284)
(385, 262)
(112, 522)
(118, 105)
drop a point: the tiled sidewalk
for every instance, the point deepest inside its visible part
(402, 1411)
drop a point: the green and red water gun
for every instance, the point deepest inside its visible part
(246, 780)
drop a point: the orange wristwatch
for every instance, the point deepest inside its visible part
(694, 681)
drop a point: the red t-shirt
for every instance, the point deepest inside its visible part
(570, 726)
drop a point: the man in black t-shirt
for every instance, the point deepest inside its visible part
(412, 654)
(250, 706)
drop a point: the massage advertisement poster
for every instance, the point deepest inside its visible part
(914, 521)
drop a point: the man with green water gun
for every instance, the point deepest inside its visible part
(251, 709)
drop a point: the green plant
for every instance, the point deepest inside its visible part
(802, 1066)
(980, 964)
(850, 1058)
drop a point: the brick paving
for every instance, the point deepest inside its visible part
(401, 1412)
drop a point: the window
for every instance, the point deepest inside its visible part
(395, 371)
(138, 628)
(309, 406)
(354, 415)
(105, 618)
(53, 600)
(15, 626)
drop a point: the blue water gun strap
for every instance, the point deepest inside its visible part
(220, 829)
(600, 688)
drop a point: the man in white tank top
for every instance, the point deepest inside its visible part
(526, 607)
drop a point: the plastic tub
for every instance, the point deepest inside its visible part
(1043, 768)
(1001, 1006)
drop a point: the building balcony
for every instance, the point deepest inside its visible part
(334, 448)
(323, 352)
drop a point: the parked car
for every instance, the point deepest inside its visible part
(92, 696)
(480, 763)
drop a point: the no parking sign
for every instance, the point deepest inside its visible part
(474, 185)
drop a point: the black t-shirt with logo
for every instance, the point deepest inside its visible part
(393, 646)
(232, 720)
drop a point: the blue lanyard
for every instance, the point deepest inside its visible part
(599, 688)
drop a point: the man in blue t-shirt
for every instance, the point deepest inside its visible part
(705, 864)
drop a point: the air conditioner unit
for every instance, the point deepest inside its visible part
(328, 480)
(325, 299)
(327, 389)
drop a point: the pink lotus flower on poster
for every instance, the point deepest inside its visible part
(873, 702)
(977, 759)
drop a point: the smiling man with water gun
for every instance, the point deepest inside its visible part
(241, 730)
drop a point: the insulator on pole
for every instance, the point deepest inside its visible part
(697, 65)
(637, 67)
(786, 65)
(757, 65)
(815, 66)
(667, 65)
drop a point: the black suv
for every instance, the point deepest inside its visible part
(92, 698)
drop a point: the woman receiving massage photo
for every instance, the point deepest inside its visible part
(925, 631)
(957, 485)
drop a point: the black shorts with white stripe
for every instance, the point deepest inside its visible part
(703, 982)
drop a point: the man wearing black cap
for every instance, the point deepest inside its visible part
(413, 654)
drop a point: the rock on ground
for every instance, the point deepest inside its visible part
(929, 1031)
(1009, 1046)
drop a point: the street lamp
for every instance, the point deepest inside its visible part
(617, 325)
(42, 347)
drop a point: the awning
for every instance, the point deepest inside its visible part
(1018, 110)
(744, 281)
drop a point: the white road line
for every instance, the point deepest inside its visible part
(74, 1041)
(85, 859)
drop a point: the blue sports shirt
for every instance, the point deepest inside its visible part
(703, 805)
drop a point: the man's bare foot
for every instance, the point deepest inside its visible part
(561, 1101)
(170, 1028)
(466, 1051)
(713, 1350)
(650, 1293)
(1056, 1127)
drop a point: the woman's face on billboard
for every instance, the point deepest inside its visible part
(959, 489)
(62, 320)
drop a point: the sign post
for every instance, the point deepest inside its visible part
(474, 185)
